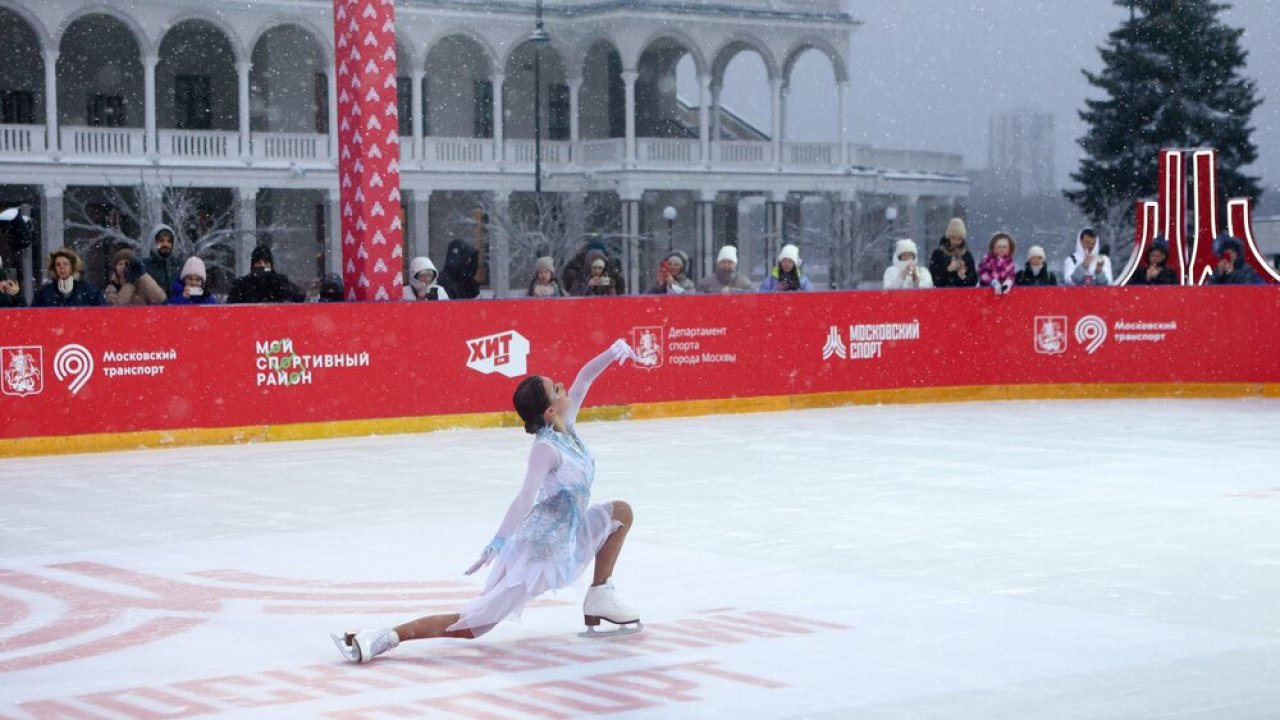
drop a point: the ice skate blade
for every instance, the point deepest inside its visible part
(348, 649)
(627, 629)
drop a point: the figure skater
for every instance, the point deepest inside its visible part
(549, 534)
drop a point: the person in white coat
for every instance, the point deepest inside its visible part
(1087, 266)
(422, 281)
(905, 273)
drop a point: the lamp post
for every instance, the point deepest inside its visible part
(669, 214)
(890, 217)
(537, 39)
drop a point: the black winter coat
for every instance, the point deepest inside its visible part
(1166, 277)
(82, 294)
(1045, 278)
(458, 278)
(939, 261)
(267, 287)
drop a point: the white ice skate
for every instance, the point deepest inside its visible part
(365, 645)
(602, 603)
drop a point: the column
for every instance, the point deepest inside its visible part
(247, 225)
(715, 118)
(629, 78)
(499, 131)
(775, 217)
(333, 236)
(631, 254)
(704, 117)
(149, 89)
(421, 223)
(706, 211)
(333, 115)
(53, 230)
(575, 91)
(246, 149)
(419, 145)
(842, 121)
(51, 101)
(779, 90)
(500, 250)
(915, 220)
(850, 240)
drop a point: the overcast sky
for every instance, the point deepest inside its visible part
(927, 74)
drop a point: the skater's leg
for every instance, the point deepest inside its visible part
(432, 626)
(607, 557)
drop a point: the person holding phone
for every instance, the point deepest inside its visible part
(10, 289)
(905, 273)
(192, 291)
(550, 532)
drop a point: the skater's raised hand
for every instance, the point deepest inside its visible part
(488, 554)
(622, 351)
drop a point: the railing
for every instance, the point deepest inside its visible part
(906, 160)
(200, 144)
(600, 152)
(290, 146)
(115, 142)
(554, 152)
(743, 152)
(659, 150)
(803, 154)
(457, 151)
(21, 139)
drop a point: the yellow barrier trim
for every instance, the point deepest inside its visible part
(62, 445)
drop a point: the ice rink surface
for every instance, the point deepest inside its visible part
(1002, 561)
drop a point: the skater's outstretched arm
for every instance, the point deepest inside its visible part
(542, 460)
(618, 352)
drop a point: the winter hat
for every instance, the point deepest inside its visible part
(728, 252)
(124, 254)
(598, 263)
(262, 253)
(193, 266)
(956, 228)
(419, 264)
(162, 228)
(790, 252)
(545, 263)
(679, 257)
(904, 246)
(1035, 251)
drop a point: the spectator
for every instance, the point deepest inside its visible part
(1086, 266)
(1157, 270)
(263, 284)
(997, 269)
(459, 275)
(1232, 269)
(192, 291)
(130, 283)
(10, 289)
(672, 279)
(905, 273)
(726, 279)
(163, 264)
(544, 283)
(331, 289)
(422, 281)
(786, 275)
(951, 264)
(601, 281)
(65, 288)
(574, 275)
(1036, 273)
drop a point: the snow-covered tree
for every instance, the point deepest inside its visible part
(1172, 77)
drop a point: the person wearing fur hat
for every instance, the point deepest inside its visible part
(726, 279)
(163, 264)
(1087, 266)
(1035, 273)
(65, 288)
(193, 290)
(672, 279)
(905, 273)
(263, 284)
(997, 270)
(786, 275)
(951, 263)
(544, 283)
(1231, 268)
(10, 289)
(422, 281)
(1157, 270)
(130, 283)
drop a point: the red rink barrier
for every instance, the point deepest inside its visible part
(100, 371)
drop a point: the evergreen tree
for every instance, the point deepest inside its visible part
(1172, 79)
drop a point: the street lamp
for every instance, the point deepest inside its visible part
(669, 214)
(537, 39)
(890, 217)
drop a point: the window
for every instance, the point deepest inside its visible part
(106, 111)
(17, 107)
(193, 102)
(482, 109)
(404, 105)
(558, 111)
(321, 85)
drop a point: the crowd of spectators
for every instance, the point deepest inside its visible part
(164, 277)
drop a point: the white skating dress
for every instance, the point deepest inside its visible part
(552, 531)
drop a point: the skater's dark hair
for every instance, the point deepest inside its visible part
(531, 402)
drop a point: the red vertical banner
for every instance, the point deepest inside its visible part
(1202, 259)
(369, 148)
(1173, 208)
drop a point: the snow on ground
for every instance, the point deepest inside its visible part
(1114, 559)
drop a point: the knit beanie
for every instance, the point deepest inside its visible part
(790, 252)
(728, 252)
(956, 228)
(1035, 251)
(904, 246)
(193, 266)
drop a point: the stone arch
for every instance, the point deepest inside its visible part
(288, 84)
(737, 45)
(24, 92)
(602, 101)
(458, 88)
(197, 84)
(518, 92)
(837, 60)
(100, 83)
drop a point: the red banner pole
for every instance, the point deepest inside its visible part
(369, 148)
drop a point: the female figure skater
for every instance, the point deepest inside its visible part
(549, 534)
